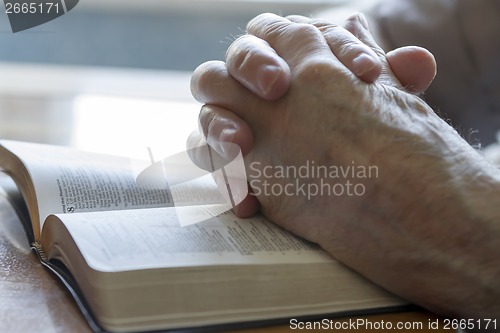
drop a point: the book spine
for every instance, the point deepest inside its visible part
(37, 247)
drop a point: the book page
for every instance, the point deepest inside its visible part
(153, 238)
(68, 181)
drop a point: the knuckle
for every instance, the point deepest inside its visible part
(327, 28)
(255, 24)
(236, 45)
(303, 30)
(272, 30)
(297, 18)
(275, 31)
(351, 49)
(239, 53)
(323, 25)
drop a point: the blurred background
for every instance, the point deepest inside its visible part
(154, 34)
(113, 76)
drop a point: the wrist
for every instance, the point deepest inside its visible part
(428, 227)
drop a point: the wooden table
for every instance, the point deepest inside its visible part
(32, 299)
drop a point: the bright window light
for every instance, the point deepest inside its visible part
(133, 127)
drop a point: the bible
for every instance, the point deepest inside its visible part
(120, 250)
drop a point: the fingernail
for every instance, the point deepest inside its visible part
(363, 63)
(266, 77)
(362, 19)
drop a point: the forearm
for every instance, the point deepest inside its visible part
(478, 255)
(451, 263)
(428, 229)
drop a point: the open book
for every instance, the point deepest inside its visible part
(120, 249)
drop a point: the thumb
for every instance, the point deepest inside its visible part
(414, 66)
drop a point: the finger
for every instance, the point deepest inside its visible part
(298, 44)
(356, 56)
(415, 67)
(255, 64)
(248, 207)
(358, 25)
(411, 68)
(211, 83)
(219, 125)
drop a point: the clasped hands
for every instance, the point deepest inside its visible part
(260, 66)
(297, 92)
